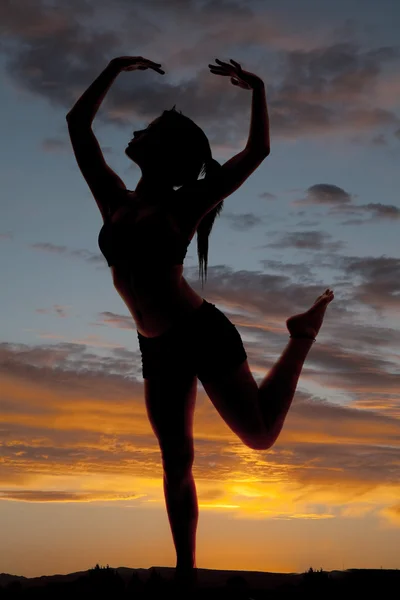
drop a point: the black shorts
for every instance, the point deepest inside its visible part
(204, 343)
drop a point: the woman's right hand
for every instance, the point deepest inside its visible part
(131, 63)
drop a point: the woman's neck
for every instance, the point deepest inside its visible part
(152, 194)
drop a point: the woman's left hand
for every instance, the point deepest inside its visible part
(240, 78)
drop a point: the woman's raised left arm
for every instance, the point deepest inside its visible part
(258, 140)
(259, 124)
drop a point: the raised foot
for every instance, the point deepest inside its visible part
(308, 324)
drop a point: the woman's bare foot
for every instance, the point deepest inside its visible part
(185, 581)
(308, 324)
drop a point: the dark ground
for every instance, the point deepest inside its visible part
(157, 582)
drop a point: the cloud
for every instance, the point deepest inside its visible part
(56, 145)
(68, 413)
(331, 88)
(92, 341)
(342, 425)
(370, 283)
(307, 223)
(340, 71)
(326, 90)
(300, 271)
(74, 422)
(56, 496)
(373, 212)
(395, 509)
(119, 321)
(340, 202)
(326, 193)
(51, 145)
(59, 311)
(379, 210)
(59, 364)
(84, 254)
(307, 240)
(379, 140)
(47, 247)
(34, 20)
(242, 222)
(379, 280)
(392, 514)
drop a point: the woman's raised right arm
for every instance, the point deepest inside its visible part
(107, 187)
(85, 109)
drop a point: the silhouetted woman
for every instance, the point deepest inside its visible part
(183, 337)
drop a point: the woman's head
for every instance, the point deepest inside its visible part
(174, 151)
(172, 147)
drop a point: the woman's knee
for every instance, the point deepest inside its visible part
(177, 464)
(254, 442)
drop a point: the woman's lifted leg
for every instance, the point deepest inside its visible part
(257, 413)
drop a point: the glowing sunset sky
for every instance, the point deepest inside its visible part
(80, 469)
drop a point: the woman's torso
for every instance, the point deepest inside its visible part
(156, 296)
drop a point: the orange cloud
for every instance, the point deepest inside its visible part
(83, 435)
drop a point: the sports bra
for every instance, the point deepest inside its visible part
(153, 243)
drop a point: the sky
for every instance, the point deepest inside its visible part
(80, 469)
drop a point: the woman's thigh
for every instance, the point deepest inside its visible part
(219, 349)
(170, 402)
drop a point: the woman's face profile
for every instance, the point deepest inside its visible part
(150, 143)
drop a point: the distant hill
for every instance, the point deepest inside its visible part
(209, 577)
(205, 577)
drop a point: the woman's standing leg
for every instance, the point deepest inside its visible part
(170, 403)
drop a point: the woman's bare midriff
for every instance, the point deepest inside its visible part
(160, 298)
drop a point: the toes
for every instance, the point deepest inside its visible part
(328, 297)
(321, 297)
(324, 298)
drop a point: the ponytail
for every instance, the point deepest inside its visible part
(210, 169)
(192, 158)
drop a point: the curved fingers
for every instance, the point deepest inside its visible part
(225, 64)
(229, 70)
(234, 63)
